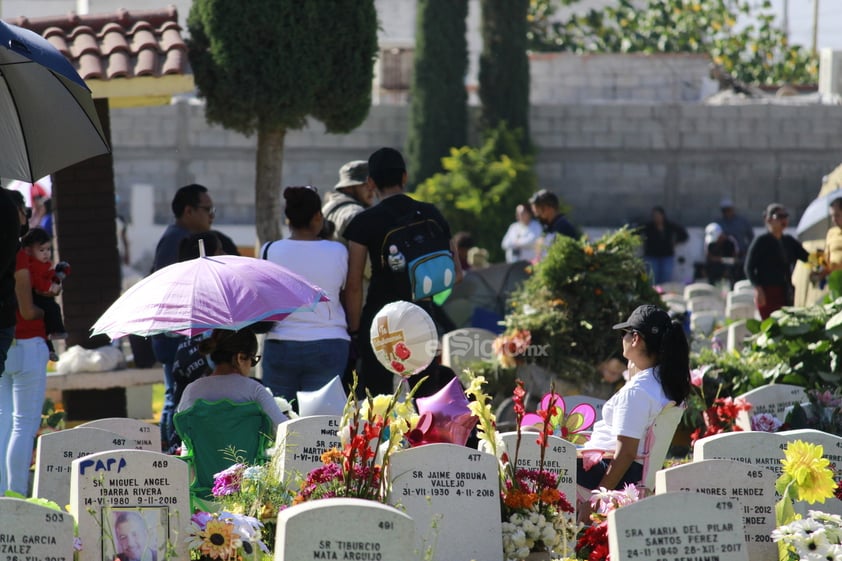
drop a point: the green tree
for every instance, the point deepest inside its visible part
(438, 111)
(481, 187)
(265, 65)
(739, 35)
(504, 65)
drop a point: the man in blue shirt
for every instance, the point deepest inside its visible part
(545, 208)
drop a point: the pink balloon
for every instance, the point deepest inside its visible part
(445, 417)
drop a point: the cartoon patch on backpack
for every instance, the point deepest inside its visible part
(419, 248)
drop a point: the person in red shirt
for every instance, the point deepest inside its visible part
(46, 282)
(23, 383)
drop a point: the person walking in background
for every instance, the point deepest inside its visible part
(545, 207)
(522, 236)
(350, 196)
(833, 239)
(770, 261)
(309, 348)
(24, 380)
(660, 236)
(194, 212)
(720, 254)
(739, 228)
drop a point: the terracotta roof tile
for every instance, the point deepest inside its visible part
(116, 45)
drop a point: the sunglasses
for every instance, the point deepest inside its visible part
(209, 209)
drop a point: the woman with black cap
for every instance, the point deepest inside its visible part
(659, 370)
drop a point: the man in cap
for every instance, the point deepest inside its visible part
(366, 234)
(720, 254)
(352, 195)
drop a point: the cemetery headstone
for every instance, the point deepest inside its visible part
(344, 529)
(753, 488)
(121, 491)
(56, 451)
(831, 443)
(452, 494)
(677, 526)
(31, 532)
(759, 449)
(773, 399)
(302, 441)
(559, 458)
(141, 435)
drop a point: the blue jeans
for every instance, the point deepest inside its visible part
(660, 268)
(22, 389)
(293, 366)
(164, 348)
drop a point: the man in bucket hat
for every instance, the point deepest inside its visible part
(350, 196)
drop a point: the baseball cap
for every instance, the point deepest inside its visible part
(726, 202)
(647, 319)
(712, 232)
(774, 208)
(352, 173)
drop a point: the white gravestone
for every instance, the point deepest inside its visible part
(677, 526)
(831, 444)
(452, 494)
(141, 435)
(130, 491)
(773, 399)
(344, 529)
(559, 458)
(31, 532)
(55, 452)
(753, 488)
(759, 449)
(301, 443)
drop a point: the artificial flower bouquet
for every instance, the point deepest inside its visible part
(225, 536)
(593, 541)
(536, 515)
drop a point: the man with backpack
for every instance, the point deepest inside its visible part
(409, 245)
(350, 196)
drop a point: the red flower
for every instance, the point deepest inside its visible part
(518, 395)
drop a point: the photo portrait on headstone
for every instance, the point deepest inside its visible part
(137, 533)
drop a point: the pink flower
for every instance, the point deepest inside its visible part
(765, 422)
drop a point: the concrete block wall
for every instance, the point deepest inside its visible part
(610, 162)
(628, 78)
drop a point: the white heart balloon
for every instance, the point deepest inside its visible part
(404, 338)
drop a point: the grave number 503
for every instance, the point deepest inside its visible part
(54, 517)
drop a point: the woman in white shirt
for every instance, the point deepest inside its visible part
(522, 236)
(308, 348)
(659, 365)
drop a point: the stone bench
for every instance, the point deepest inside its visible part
(128, 391)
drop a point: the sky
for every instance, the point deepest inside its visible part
(801, 22)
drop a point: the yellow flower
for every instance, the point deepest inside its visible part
(804, 465)
(218, 540)
(378, 405)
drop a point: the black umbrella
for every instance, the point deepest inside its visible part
(47, 116)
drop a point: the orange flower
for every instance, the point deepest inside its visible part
(550, 496)
(517, 498)
(331, 456)
(588, 250)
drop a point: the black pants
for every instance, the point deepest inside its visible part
(590, 479)
(52, 313)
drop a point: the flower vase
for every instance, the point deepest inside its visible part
(538, 556)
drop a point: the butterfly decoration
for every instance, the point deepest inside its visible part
(564, 424)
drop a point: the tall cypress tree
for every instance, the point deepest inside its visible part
(504, 65)
(438, 108)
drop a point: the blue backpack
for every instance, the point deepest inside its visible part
(420, 248)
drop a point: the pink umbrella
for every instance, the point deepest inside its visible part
(224, 291)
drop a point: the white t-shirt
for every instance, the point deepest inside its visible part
(629, 412)
(235, 387)
(323, 263)
(520, 240)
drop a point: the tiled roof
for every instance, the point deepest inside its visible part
(118, 45)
